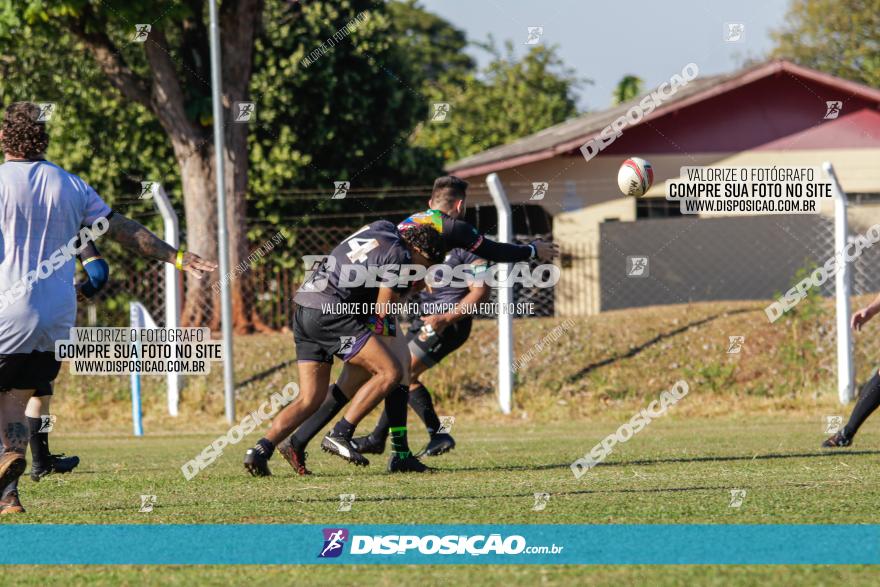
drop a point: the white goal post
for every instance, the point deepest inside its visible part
(846, 370)
(139, 316)
(505, 297)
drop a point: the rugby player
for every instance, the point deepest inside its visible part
(38, 407)
(443, 326)
(321, 333)
(445, 207)
(869, 396)
(42, 208)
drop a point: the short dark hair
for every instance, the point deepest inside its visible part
(24, 134)
(427, 240)
(448, 188)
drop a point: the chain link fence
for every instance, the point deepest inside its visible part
(632, 264)
(273, 275)
(685, 260)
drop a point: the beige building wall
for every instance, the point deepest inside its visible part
(577, 232)
(583, 194)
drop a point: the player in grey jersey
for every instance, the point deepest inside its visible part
(320, 336)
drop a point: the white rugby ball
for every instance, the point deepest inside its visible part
(636, 176)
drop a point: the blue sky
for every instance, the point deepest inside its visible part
(604, 41)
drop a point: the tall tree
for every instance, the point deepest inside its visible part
(165, 68)
(508, 99)
(433, 45)
(334, 110)
(840, 37)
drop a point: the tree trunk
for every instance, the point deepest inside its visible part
(163, 94)
(201, 305)
(238, 28)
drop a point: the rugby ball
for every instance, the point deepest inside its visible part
(636, 176)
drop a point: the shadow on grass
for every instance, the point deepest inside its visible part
(283, 470)
(651, 342)
(662, 461)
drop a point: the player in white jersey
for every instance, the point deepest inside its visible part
(42, 210)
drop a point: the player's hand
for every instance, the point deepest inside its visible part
(195, 265)
(860, 318)
(80, 296)
(546, 252)
(437, 321)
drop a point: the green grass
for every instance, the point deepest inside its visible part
(678, 470)
(751, 421)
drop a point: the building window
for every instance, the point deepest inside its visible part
(858, 199)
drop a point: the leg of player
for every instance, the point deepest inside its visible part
(420, 401)
(385, 373)
(43, 462)
(426, 351)
(349, 381)
(314, 377)
(294, 449)
(401, 460)
(374, 442)
(393, 418)
(869, 399)
(14, 438)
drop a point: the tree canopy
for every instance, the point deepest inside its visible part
(840, 37)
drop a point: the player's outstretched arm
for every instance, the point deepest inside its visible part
(511, 253)
(865, 314)
(465, 236)
(137, 238)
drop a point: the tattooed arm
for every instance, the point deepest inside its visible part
(138, 239)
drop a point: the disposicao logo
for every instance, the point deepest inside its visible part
(334, 541)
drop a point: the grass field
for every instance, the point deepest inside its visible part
(677, 470)
(752, 421)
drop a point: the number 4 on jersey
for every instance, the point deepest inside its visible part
(359, 249)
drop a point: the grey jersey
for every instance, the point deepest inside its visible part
(431, 300)
(373, 246)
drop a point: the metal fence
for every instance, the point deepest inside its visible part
(273, 279)
(685, 260)
(681, 260)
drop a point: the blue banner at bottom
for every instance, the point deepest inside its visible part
(653, 544)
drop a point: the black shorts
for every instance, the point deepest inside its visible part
(319, 336)
(430, 349)
(36, 370)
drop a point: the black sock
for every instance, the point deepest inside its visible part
(39, 442)
(380, 432)
(343, 429)
(421, 403)
(869, 399)
(265, 447)
(334, 403)
(395, 409)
